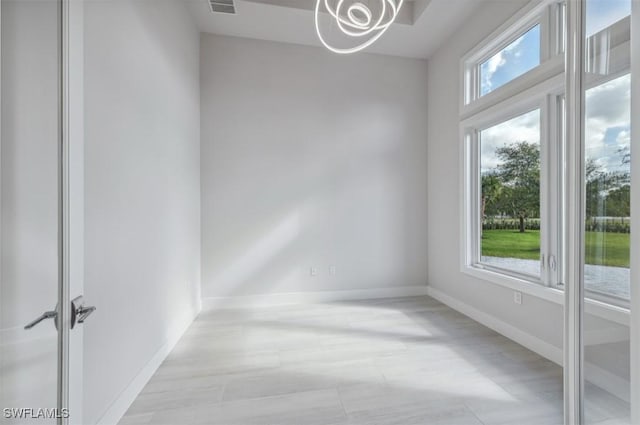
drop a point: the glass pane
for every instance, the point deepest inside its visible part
(608, 188)
(607, 209)
(603, 14)
(510, 194)
(520, 56)
(28, 218)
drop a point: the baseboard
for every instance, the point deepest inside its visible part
(266, 300)
(609, 382)
(121, 404)
(537, 345)
(595, 374)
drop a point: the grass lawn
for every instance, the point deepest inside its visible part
(608, 249)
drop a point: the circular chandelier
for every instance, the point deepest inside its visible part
(359, 24)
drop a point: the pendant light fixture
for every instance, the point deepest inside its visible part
(354, 25)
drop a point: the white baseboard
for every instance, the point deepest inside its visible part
(595, 374)
(537, 345)
(121, 404)
(267, 300)
(609, 382)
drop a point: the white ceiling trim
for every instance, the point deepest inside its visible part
(425, 24)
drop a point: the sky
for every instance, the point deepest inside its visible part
(607, 106)
(514, 60)
(602, 13)
(608, 114)
(524, 128)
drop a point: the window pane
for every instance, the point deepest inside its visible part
(602, 14)
(514, 60)
(607, 141)
(510, 194)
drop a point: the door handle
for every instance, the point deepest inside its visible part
(80, 313)
(84, 312)
(552, 262)
(44, 316)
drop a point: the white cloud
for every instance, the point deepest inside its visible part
(608, 111)
(624, 138)
(522, 128)
(497, 61)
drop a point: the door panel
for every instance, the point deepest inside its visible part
(607, 227)
(29, 217)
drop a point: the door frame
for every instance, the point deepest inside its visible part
(573, 254)
(72, 204)
(634, 324)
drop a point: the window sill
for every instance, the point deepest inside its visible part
(599, 309)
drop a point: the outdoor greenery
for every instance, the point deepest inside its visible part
(513, 187)
(594, 224)
(602, 248)
(510, 207)
(608, 193)
(511, 244)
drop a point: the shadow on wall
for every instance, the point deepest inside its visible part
(169, 44)
(355, 220)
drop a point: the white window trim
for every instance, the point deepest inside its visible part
(537, 97)
(551, 58)
(547, 78)
(594, 307)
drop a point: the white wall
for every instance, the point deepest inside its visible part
(310, 159)
(444, 183)
(142, 188)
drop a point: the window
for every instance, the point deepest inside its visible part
(512, 124)
(607, 148)
(602, 14)
(529, 40)
(510, 194)
(517, 58)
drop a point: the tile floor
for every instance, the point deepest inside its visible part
(397, 361)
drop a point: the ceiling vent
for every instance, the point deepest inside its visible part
(222, 6)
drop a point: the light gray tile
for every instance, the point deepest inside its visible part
(385, 404)
(142, 419)
(308, 408)
(387, 361)
(150, 402)
(516, 410)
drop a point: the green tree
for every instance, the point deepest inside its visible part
(618, 202)
(600, 185)
(491, 192)
(519, 172)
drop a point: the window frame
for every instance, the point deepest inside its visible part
(543, 85)
(548, 14)
(543, 97)
(539, 88)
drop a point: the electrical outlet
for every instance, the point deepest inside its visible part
(313, 271)
(517, 297)
(332, 270)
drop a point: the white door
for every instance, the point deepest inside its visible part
(40, 215)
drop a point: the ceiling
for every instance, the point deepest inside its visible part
(419, 30)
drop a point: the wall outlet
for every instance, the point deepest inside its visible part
(517, 297)
(332, 270)
(313, 271)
